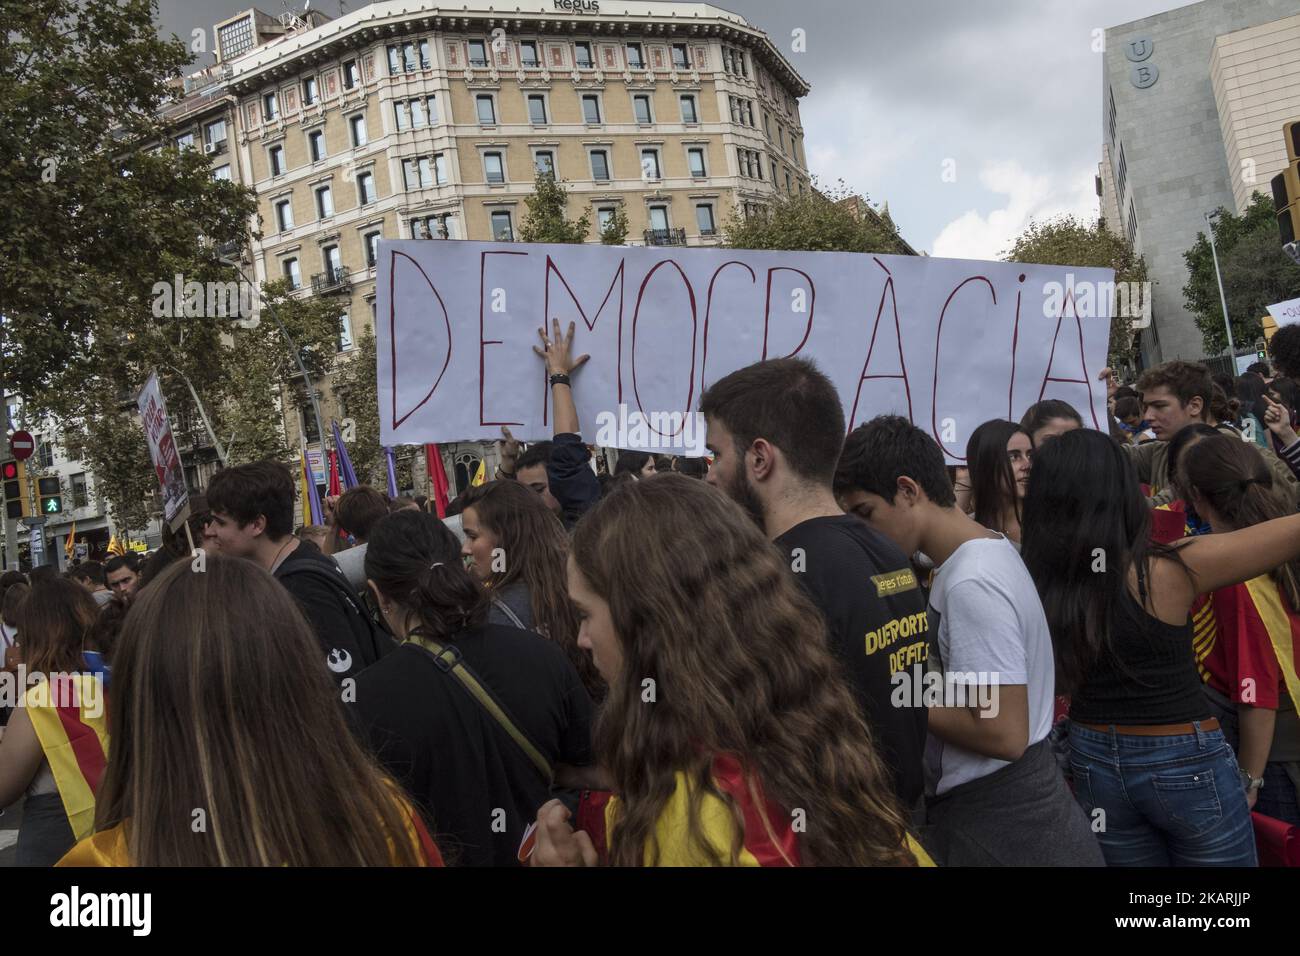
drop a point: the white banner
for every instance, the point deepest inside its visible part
(1285, 313)
(949, 343)
(162, 449)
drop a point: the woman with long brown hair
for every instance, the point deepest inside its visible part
(37, 754)
(1250, 671)
(728, 726)
(517, 548)
(230, 747)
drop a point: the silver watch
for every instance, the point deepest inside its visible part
(1250, 783)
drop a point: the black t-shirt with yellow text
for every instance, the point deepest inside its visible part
(876, 615)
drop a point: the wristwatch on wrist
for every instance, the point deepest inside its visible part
(560, 378)
(1250, 783)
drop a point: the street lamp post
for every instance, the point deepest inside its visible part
(297, 353)
(1223, 299)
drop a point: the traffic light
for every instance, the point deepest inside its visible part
(15, 485)
(1286, 192)
(51, 495)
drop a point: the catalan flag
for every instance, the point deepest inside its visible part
(1259, 646)
(68, 713)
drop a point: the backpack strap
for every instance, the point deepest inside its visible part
(448, 659)
(505, 609)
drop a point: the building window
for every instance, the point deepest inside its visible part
(635, 61)
(418, 117)
(80, 499)
(487, 109)
(425, 62)
(324, 203)
(650, 164)
(333, 264)
(748, 106)
(695, 158)
(365, 188)
(591, 108)
(394, 59)
(1112, 115)
(309, 91)
(426, 172)
(477, 53)
(789, 184)
(689, 113)
(774, 172)
(528, 53)
(641, 107)
(493, 168)
(604, 217)
(681, 59)
(316, 145)
(284, 214)
(215, 132)
(371, 243)
(290, 269)
(351, 74)
(357, 125)
(432, 103)
(1132, 224)
(270, 108)
(704, 219)
(544, 162)
(401, 114)
(582, 55)
(439, 168)
(600, 165)
(185, 142)
(659, 219)
(1123, 175)
(345, 332)
(537, 109)
(222, 172)
(502, 231)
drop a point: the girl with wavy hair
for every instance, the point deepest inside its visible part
(728, 725)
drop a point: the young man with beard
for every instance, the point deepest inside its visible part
(776, 430)
(252, 517)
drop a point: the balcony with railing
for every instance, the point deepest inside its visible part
(665, 237)
(331, 281)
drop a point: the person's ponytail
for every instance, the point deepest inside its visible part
(446, 600)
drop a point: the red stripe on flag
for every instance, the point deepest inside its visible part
(85, 745)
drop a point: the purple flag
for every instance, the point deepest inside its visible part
(313, 495)
(392, 471)
(346, 474)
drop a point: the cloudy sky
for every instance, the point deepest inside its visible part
(1002, 95)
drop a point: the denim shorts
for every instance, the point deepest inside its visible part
(1162, 801)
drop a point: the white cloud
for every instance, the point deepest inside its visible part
(1028, 197)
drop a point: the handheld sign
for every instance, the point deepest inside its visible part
(947, 343)
(162, 451)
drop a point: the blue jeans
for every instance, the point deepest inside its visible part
(1166, 801)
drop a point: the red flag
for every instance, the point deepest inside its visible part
(335, 487)
(438, 475)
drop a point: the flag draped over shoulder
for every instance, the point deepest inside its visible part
(1267, 638)
(68, 713)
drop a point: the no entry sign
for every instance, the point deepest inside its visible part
(22, 444)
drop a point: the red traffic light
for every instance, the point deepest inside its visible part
(10, 470)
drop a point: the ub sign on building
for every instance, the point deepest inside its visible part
(949, 343)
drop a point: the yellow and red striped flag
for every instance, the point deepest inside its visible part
(68, 712)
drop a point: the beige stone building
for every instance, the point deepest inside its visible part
(408, 120)
(1256, 77)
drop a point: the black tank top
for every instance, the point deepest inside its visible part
(1147, 675)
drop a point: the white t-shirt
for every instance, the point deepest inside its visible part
(990, 622)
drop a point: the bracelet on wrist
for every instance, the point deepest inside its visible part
(560, 378)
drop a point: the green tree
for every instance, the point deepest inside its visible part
(1069, 241)
(821, 220)
(615, 231)
(547, 221)
(1256, 273)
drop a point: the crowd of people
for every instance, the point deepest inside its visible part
(1080, 649)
